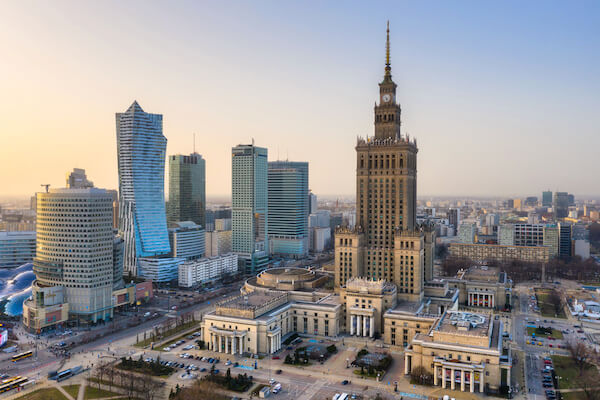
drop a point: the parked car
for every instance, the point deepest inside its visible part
(345, 382)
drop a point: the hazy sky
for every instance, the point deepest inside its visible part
(503, 97)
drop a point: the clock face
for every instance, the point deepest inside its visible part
(386, 97)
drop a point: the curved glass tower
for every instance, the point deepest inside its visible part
(141, 150)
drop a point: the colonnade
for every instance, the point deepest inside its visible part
(228, 344)
(466, 376)
(362, 325)
(481, 299)
(274, 342)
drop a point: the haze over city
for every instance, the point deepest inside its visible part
(502, 98)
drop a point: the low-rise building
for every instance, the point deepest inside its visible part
(16, 248)
(482, 286)
(463, 351)
(195, 272)
(488, 252)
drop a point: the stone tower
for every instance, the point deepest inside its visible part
(386, 196)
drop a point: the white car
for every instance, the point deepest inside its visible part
(189, 347)
(166, 349)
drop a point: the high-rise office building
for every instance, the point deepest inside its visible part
(565, 244)
(74, 259)
(142, 218)
(312, 202)
(187, 189)
(250, 206)
(187, 240)
(386, 243)
(16, 248)
(551, 239)
(561, 204)
(547, 199)
(454, 217)
(288, 208)
(78, 180)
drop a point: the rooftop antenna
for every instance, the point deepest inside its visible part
(45, 185)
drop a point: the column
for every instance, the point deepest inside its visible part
(469, 301)
(492, 300)
(443, 378)
(364, 318)
(462, 380)
(435, 377)
(372, 327)
(211, 344)
(452, 383)
(508, 376)
(406, 371)
(358, 323)
(472, 382)
(481, 383)
(233, 344)
(226, 345)
(352, 322)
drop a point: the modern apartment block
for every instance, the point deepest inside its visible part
(187, 189)
(288, 208)
(195, 272)
(16, 248)
(74, 259)
(250, 206)
(487, 252)
(467, 232)
(142, 217)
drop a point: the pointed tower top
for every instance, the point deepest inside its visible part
(134, 107)
(388, 68)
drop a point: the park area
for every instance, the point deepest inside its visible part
(550, 303)
(574, 375)
(544, 332)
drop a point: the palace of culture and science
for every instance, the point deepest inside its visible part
(386, 244)
(384, 287)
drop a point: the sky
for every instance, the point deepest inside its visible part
(503, 97)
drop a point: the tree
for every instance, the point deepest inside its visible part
(556, 300)
(580, 354)
(421, 376)
(588, 381)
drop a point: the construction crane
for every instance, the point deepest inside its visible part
(46, 185)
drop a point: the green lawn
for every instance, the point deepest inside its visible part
(44, 394)
(73, 390)
(556, 334)
(547, 309)
(95, 393)
(569, 372)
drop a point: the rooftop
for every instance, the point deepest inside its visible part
(465, 323)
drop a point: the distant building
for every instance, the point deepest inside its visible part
(561, 204)
(312, 202)
(551, 239)
(454, 217)
(218, 243)
(582, 248)
(222, 224)
(250, 206)
(565, 244)
(321, 238)
(78, 180)
(195, 272)
(547, 199)
(467, 232)
(288, 208)
(187, 189)
(16, 248)
(488, 252)
(506, 235)
(531, 201)
(187, 240)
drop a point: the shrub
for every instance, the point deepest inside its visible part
(332, 349)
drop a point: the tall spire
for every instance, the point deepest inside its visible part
(388, 68)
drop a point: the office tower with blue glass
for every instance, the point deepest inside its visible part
(250, 206)
(288, 209)
(187, 189)
(142, 218)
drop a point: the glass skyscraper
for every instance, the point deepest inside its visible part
(142, 218)
(187, 189)
(288, 208)
(249, 206)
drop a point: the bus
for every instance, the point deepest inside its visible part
(25, 385)
(21, 356)
(13, 384)
(66, 374)
(8, 380)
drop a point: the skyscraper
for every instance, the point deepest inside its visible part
(78, 180)
(547, 199)
(250, 206)
(141, 154)
(561, 204)
(288, 208)
(74, 259)
(565, 244)
(386, 243)
(187, 189)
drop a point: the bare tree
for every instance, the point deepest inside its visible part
(556, 300)
(588, 381)
(580, 354)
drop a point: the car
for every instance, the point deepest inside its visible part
(217, 360)
(166, 349)
(549, 344)
(228, 362)
(539, 343)
(216, 371)
(276, 358)
(289, 348)
(190, 337)
(345, 382)
(547, 384)
(147, 314)
(202, 369)
(271, 381)
(278, 372)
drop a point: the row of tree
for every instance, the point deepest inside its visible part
(135, 386)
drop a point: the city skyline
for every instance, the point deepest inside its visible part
(506, 102)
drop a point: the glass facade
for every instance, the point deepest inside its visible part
(187, 189)
(142, 217)
(288, 208)
(16, 248)
(249, 206)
